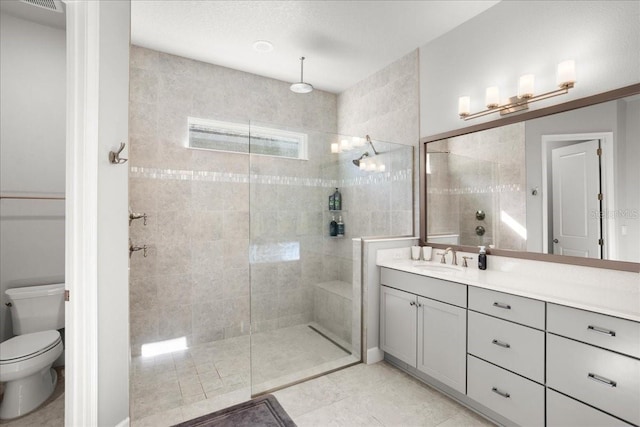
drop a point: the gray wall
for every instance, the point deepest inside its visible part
(494, 48)
(32, 156)
(385, 106)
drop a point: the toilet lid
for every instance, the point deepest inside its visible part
(28, 344)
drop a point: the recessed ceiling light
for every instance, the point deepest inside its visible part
(263, 46)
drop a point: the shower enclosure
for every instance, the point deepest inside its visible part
(240, 263)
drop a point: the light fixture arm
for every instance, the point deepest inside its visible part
(301, 68)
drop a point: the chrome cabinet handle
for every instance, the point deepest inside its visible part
(602, 380)
(502, 305)
(412, 303)
(501, 344)
(555, 240)
(501, 393)
(601, 330)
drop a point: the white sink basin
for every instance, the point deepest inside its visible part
(440, 268)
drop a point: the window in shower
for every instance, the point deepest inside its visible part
(220, 135)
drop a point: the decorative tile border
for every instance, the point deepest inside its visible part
(188, 175)
(504, 188)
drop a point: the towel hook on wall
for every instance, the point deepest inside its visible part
(114, 157)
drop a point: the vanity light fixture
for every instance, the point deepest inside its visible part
(565, 79)
(301, 86)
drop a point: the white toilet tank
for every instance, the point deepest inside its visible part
(37, 308)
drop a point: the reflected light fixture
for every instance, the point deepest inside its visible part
(301, 86)
(565, 79)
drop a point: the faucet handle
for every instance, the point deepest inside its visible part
(464, 260)
(443, 260)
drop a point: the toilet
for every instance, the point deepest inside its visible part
(37, 313)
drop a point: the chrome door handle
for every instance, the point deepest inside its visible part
(601, 330)
(501, 344)
(502, 305)
(602, 380)
(501, 393)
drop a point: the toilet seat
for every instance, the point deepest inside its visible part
(28, 346)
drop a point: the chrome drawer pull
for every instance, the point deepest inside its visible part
(501, 344)
(502, 305)
(602, 380)
(601, 330)
(501, 393)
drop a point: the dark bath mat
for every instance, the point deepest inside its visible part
(261, 411)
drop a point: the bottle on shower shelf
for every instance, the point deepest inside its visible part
(340, 227)
(333, 227)
(337, 200)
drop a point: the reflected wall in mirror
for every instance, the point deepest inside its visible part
(538, 184)
(475, 190)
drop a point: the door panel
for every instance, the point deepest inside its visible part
(398, 324)
(576, 185)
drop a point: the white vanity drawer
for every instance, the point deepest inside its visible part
(510, 395)
(517, 309)
(429, 287)
(598, 329)
(606, 380)
(514, 347)
(562, 411)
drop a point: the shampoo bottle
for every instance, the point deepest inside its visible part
(333, 227)
(337, 200)
(482, 258)
(340, 226)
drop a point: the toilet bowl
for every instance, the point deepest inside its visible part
(25, 368)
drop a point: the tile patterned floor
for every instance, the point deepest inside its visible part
(361, 395)
(215, 372)
(214, 376)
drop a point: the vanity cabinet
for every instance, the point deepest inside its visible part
(606, 376)
(531, 362)
(398, 326)
(506, 359)
(427, 334)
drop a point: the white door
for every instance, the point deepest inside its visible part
(576, 208)
(97, 314)
(398, 324)
(442, 336)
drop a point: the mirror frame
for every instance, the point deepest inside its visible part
(554, 109)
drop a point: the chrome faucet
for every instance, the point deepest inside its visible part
(454, 258)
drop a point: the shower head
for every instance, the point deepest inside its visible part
(357, 161)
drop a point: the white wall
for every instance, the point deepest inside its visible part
(519, 37)
(32, 155)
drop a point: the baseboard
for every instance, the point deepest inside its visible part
(374, 355)
(123, 423)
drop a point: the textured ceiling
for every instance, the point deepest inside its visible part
(343, 41)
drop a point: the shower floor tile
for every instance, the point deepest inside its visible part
(214, 375)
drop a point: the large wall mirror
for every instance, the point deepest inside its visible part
(559, 184)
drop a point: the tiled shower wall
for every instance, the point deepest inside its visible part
(385, 106)
(195, 280)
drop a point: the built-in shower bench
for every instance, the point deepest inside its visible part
(332, 310)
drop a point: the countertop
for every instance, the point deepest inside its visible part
(615, 293)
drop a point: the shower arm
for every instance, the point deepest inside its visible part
(371, 144)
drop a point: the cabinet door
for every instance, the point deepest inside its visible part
(398, 324)
(442, 334)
